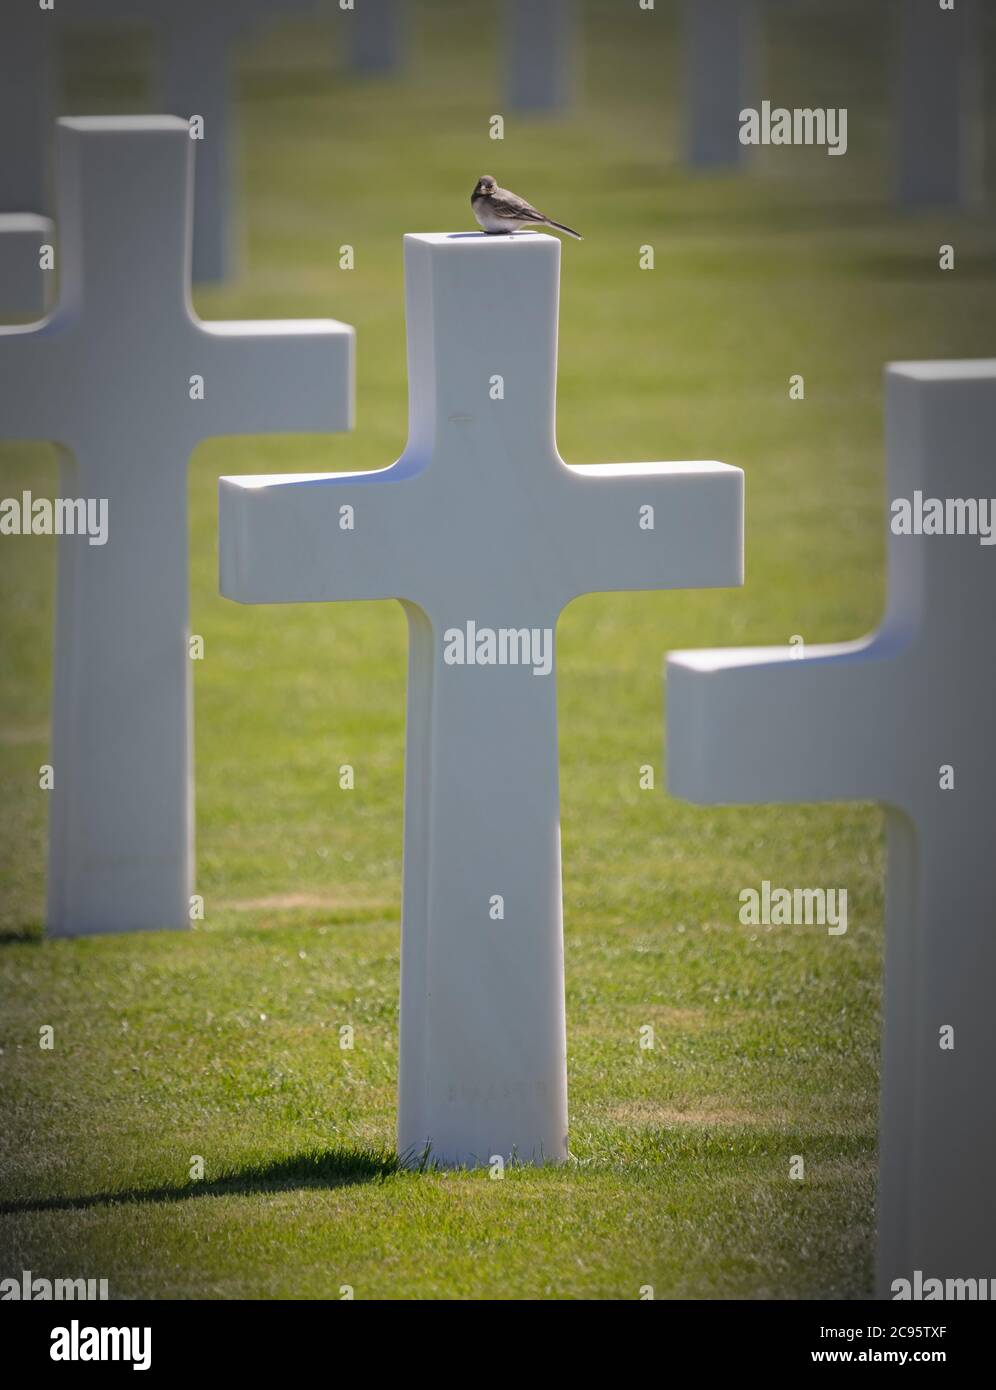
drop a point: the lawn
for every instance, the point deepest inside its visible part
(223, 1042)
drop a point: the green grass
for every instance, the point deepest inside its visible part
(224, 1042)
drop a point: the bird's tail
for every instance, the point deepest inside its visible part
(561, 228)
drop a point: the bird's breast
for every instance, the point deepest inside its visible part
(489, 219)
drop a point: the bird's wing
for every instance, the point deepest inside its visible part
(511, 206)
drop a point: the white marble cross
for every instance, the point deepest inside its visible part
(904, 717)
(940, 114)
(540, 53)
(485, 535)
(720, 78)
(128, 381)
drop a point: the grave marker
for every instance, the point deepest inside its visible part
(113, 376)
(720, 79)
(378, 36)
(195, 76)
(27, 75)
(939, 103)
(540, 44)
(880, 719)
(484, 535)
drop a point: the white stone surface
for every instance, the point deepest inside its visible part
(108, 377)
(27, 75)
(195, 76)
(27, 78)
(719, 78)
(876, 720)
(481, 521)
(378, 36)
(540, 54)
(940, 114)
(25, 289)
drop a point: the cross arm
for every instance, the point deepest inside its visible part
(761, 724)
(25, 289)
(653, 525)
(318, 537)
(273, 376)
(32, 401)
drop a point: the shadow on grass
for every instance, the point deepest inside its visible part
(335, 1167)
(909, 266)
(17, 936)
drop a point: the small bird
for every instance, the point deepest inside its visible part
(497, 210)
